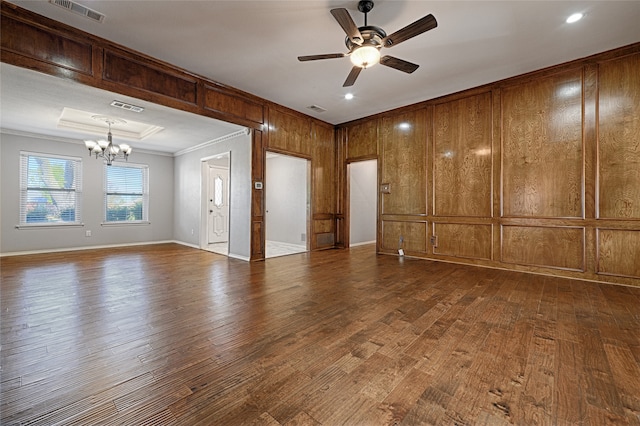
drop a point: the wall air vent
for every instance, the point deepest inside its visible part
(79, 9)
(316, 108)
(126, 106)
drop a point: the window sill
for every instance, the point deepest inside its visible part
(49, 225)
(126, 223)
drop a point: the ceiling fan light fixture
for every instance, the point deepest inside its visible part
(365, 56)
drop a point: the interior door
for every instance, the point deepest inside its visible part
(218, 205)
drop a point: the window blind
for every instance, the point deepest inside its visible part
(50, 189)
(126, 193)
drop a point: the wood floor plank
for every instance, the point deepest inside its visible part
(170, 335)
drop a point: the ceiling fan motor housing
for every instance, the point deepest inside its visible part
(372, 36)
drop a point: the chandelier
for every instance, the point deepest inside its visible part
(106, 148)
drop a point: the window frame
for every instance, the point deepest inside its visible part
(25, 189)
(144, 195)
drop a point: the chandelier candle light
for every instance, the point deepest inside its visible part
(105, 148)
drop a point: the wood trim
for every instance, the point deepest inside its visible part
(257, 197)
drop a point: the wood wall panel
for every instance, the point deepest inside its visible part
(414, 236)
(342, 237)
(323, 169)
(121, 69)
(323, 202)
(619, 252)
(42, 45)
(218, 100)
(619, 138)
(362, 139)
(257, 196)
(463, 240)
(404, 163)
(322, 226)
(462, 145)
(542, 147)
(289, 132)
(553, 247)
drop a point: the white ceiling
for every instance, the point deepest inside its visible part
(254, 45)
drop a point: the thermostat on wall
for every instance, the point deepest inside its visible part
(257, 185)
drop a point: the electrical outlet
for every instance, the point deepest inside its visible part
(434, 240)
(303, 237)
(87, 233)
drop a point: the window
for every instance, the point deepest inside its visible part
(126, 193)
(50, 189)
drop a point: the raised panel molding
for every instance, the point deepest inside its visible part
(323, 170)
(542, 146)
(33, 42)
(289, 132)
(413, 235)
(362, 140)
(619, 138)
(551, 247)
(462, 152)
(463, 240)
(619, 252)
(218, 100)
(129, 72)
(404, 163)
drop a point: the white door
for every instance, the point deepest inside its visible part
(218, 205)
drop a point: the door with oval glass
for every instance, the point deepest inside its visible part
(218, 205)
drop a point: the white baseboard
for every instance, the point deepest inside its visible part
(237, 256)
(146, 243)
(182, 243)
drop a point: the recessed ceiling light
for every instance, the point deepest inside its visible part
(348, 96)
(574, 18)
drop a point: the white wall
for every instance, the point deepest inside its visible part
(14, 240)
(188, 194)
(363, 193)
(286, 185)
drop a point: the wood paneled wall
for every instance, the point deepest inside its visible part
(539, 172)
(31, 41)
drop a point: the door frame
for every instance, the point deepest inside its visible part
(346, 227)
(348, 200)
(205, 182)
(308, 201)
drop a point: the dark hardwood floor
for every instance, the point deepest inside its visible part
(169, 335)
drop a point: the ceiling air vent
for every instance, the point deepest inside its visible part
(316, 108)
(79, 9)
(126, 106)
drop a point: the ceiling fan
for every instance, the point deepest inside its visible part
(364, 43)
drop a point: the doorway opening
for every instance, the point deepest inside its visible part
(287, 201)
(363, 202)
(216, 173)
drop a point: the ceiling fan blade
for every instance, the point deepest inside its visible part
(399, 64)
(420, 26)
(347, 24)
(317, 57)
(351, 78)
